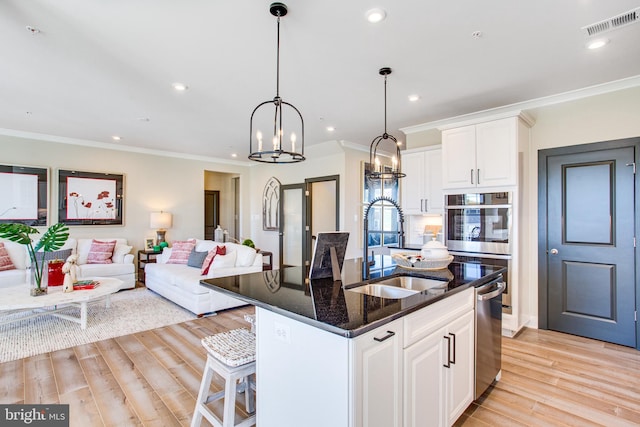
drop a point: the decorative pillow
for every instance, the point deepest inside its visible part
(5, 259)
(219, 250)
(180, 251)
(196, 258)
(224, 261)
(119, 252)
(101, 252)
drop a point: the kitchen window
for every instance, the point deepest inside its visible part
(383, 216)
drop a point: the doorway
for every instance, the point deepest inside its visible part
(306, 209)
(587, 257)
(211, 212)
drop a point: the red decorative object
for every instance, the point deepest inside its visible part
(56, 276)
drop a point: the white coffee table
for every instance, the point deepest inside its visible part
(17, 299)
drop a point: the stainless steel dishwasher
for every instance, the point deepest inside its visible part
(488, 333)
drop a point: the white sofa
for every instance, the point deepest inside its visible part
(121, 266)
(180, 283)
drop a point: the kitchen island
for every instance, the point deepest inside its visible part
(329, 356)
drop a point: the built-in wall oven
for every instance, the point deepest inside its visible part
(478, 229)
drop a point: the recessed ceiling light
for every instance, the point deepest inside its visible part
(234, 155)
(375, 15)
(476, 34)
(116, 138)
(414, 98)
(33, 30)
(597, 44)
(181, 87)
(330, 128)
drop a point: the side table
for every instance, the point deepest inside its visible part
(269, 264)
(145, 257)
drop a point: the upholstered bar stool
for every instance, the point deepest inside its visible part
(232, 355)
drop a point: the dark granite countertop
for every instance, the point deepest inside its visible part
(333, 307)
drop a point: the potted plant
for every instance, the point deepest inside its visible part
(51, 240)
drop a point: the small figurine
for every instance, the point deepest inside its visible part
(70, 273)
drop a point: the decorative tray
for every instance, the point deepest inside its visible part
(411, 261)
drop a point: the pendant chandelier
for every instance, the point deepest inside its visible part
(378, 170)
(267, 120)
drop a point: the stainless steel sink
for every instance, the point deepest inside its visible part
(384, 291)
(414, 283)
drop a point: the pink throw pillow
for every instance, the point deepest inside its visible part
(180, 251)
(101, 252)
(5, 259)
(220, 250)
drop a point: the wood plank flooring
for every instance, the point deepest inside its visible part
(152, 378)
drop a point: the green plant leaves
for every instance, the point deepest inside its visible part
(18, 233)
(53, 238)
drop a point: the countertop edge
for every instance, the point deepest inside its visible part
(351, 333)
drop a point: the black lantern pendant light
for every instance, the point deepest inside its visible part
(378, 170)
(281, 145)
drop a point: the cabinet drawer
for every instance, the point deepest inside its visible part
(426, 321)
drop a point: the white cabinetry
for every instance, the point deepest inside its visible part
(390, 376)
(378, 377)
(482, 155)
(422, 187)
(439, 362)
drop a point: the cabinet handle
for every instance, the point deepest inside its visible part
(453, 361)
(386, 337)
(448, 365)
(472, 176)
(426, 205)
(421, 204)
(478, 174)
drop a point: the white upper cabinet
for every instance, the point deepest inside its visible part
(482, 155)
(421, 189)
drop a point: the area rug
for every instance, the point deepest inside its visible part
(131, 311)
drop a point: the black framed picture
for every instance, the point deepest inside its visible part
(24, 195)
(90, 198)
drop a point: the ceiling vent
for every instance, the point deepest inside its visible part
(613, 23)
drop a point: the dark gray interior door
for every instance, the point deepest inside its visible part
(590, 254)
(292, 225)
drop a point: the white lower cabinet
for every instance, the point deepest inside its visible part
(439, 368)
(378, 377)
(392, 376)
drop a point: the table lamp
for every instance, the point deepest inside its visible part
(160, 221)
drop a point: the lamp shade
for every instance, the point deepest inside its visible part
(160, 220)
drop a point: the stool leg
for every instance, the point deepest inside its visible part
(202, 394)
(249, 396)
(229, 416)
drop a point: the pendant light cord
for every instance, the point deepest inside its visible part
(278, 60)
(385, 104)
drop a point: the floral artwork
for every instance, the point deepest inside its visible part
(90, 198)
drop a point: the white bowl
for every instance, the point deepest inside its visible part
(434, 250)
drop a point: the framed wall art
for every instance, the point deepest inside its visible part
(24, 195)
(90, 198)
(271, 205)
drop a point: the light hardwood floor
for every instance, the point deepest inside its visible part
(151, 378)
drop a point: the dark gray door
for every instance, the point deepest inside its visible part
(590, 254)
(293, 236)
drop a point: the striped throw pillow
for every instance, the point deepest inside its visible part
(5, 259)
(101, 252)
(220, 250)
(180, 251)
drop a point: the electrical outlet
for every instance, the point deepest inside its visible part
(282, 332)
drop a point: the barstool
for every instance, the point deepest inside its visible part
(232, 355)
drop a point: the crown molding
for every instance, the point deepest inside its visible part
(521, 107)
(105, 146)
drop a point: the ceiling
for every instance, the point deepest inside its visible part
(93, 69)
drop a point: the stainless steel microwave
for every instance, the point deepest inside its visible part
(479, 222)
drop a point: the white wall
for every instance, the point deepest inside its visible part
(152, 183)
(614, 115)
